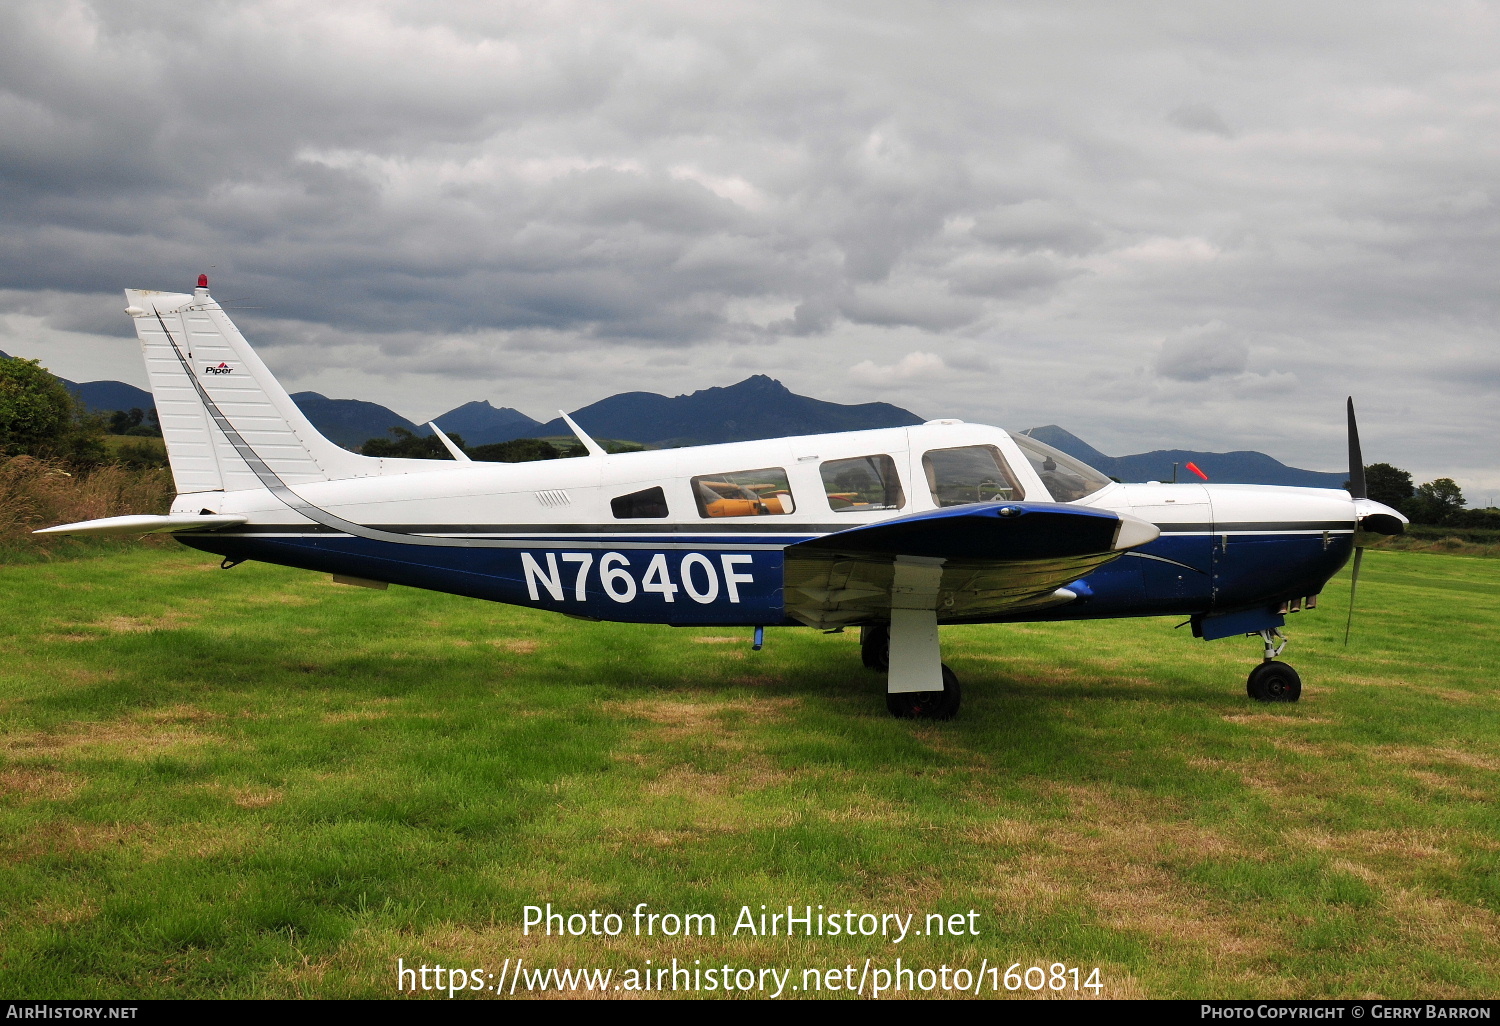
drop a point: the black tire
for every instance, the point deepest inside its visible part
(875, 646)
(927, 705)
(1274, 682)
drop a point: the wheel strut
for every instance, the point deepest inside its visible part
(1273, 681)
(1274, 641)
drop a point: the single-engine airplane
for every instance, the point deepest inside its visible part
(893, 530)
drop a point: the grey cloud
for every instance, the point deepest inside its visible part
(1038, 225)
(933, 312)
(812, 316)
(1199, 117)
(982, 276)
(469, 183)
(1201, 354)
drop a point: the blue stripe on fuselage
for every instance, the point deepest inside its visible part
(722, 586)
(1178, 574)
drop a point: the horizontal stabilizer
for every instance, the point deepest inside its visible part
(147, 524)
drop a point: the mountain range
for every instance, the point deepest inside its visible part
(758, 407)
(1243, 467)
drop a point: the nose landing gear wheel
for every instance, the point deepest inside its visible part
(927, 705)
(1274, 682)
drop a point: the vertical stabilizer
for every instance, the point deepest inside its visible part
(196, 359)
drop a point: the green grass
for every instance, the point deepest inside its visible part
(257, 783)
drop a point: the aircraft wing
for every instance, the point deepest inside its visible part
(148, 524)
(963, 561)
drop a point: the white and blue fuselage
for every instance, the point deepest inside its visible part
(544, 534)
(902, 529)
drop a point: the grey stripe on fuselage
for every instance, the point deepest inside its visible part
(708, 528)
(1262, 527)
(573, 542)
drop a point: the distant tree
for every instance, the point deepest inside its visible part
(39, 417)
(1434, 501)
(135, 422)
(1471, 518)
(1387, 484)
(35, 407)
(519, 450)
(121, 421)
(406, 444)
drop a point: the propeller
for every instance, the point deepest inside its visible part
(1356, 459)
(1356, 491)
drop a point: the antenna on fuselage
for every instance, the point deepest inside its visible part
(593, 447)
(458, 453)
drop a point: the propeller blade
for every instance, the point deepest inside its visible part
(1356, 460)
(1359, 554)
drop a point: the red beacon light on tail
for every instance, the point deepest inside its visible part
(203, 281)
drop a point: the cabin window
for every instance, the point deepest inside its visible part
(969, 473)
(1066, 478)
(744, 493)
(647, 504)
(863, 483)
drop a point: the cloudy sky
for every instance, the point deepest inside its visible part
(1194, 224)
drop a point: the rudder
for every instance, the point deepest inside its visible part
(188, 339)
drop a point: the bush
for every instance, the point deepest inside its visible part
(519, 450)
(40, 418)
(1474, 518)
(37, 493)
(140, 456)
(404, 444)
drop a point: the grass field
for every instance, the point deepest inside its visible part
(257, 783)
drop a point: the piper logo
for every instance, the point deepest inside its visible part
(222, 368)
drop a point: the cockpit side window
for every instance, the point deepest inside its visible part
(1067, 479)
(970, 473)
(646, 504)
(744, 493)
(862, 484)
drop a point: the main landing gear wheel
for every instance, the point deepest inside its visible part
(927, 705)
(1274, 682)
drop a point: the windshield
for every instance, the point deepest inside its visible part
(1066, 478)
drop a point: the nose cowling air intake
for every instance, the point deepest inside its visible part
(1378, 518)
